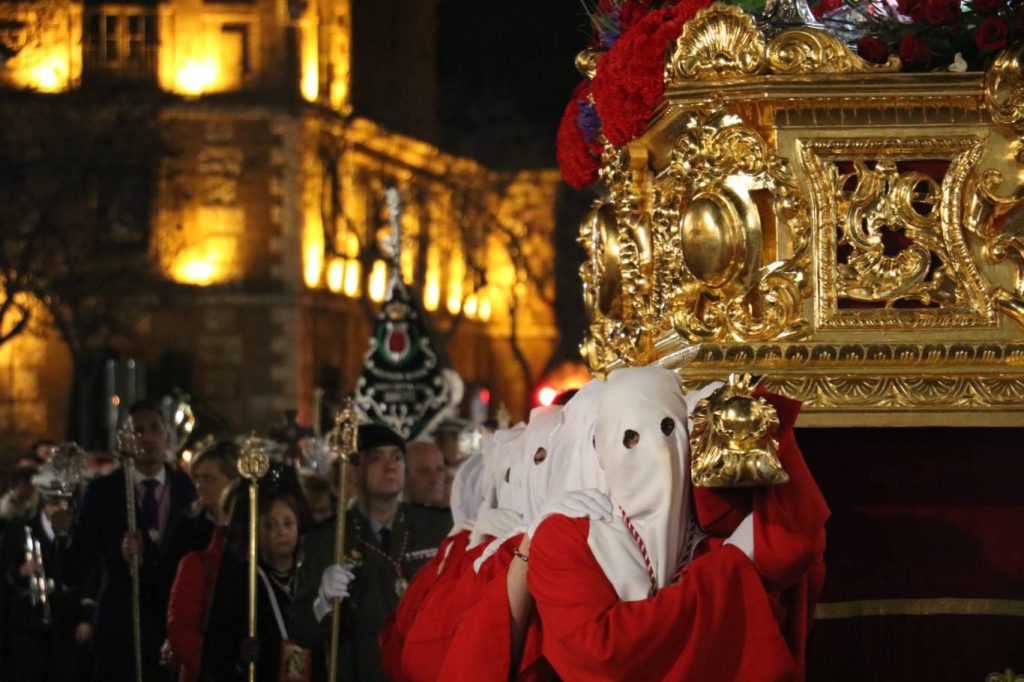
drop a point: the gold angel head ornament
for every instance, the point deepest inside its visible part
(735, 438)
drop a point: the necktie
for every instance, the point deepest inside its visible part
(150, 509)
(385, 539)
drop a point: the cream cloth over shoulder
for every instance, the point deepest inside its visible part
(649, 480)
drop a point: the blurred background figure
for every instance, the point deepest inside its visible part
(43, 644)
(22, 501)
(425, 474)
(319, 497)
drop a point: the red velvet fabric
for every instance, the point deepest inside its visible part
(922, 514)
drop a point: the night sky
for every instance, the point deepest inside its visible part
(506, 72)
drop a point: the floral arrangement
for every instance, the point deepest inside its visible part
(634, 35)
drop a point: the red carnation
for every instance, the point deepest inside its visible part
(993, 34)
(633, 11)
(912, 8)
(577, 160)
(873, 50)
(986, 6)
(630, 76)
(914, 51)
(825, 7)
(939, 12)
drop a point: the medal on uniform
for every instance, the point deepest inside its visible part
(154, 535)
(400, 585)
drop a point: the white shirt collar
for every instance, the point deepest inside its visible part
(160, 476)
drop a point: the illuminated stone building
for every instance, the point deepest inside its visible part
(270, 208)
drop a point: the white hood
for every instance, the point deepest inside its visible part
(647, 474)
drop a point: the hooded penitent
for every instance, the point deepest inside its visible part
(501, 510)
(643, 449)
(576, 467)
(539, 458)
(467, 493)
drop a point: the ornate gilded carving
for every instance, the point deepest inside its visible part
(1004, 88)
(808, 50)
(881, 393)
(720, 41)
(855, 233)
(722, 290)
(734, 442)
(891, 248)
(683, 249)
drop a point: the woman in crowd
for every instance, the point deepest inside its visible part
(212, 471)
(188, 609)
(227, 649)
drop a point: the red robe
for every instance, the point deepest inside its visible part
(439, 615)
(399, 622)
(480, 648)
(789, 532)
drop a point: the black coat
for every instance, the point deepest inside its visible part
(228, 625)
(102, 523)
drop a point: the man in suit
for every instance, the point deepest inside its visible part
(162, 498)
(389, 539)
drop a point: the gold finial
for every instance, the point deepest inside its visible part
(343, 439)
(128, 444)
(735, 438)
(254, 462)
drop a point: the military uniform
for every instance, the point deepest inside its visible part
(385, 564)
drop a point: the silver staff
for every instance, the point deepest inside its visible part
(128, 448)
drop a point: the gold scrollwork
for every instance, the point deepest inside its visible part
(808, 50)
(721, 290)
(891, 247)
(1004, 88)
(720, 41)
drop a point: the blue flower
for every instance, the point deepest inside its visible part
(588, 120)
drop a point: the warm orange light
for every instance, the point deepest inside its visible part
(336, 275)
(378, 281)
(49, 76)
(546, 396)
(470, 306)
(194, 270)
(352, 270)
(455, 296)
(196, 77)
(485, 308)
(432, 293)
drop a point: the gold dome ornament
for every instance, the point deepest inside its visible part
(734, 442)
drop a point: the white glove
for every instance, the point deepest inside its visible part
(577, 504)
(333, 587)
(743, 536)
(494, 546)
